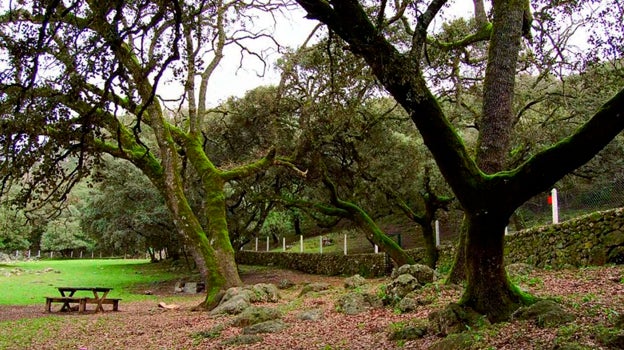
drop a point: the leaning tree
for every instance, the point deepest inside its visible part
(488, 190)
(84, 78)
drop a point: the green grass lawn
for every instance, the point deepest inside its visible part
(27, 283)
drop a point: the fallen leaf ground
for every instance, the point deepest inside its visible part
(594, 295)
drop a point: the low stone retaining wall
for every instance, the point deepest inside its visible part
(593, 239)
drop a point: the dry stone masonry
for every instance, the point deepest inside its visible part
(593, 239)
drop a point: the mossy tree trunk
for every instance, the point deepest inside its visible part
(206, 232)
(351, 211)
(488, 288)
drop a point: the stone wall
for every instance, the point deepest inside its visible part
(594, 239)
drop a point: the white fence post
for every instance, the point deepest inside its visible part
(284, 243)
(437, 232)
(267, 243)
(345, 244)
(256, 243)
(301, 243)
(321, 244)
(376, 249)
(555, 206)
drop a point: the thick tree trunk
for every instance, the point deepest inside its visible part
(488, 289)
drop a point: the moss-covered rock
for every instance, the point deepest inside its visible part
(355, 303)
(455, 319)
(253, 315)
(243, 339)
(354, 282)
(545, 313)
(271, 326)
(313, 287)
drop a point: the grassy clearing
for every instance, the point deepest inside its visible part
(27, 330)
(26, 283)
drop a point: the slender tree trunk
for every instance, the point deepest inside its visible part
(431, 249)
(458, 271)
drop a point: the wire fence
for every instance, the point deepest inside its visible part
(569, 203)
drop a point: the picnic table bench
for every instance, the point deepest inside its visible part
(67, 298)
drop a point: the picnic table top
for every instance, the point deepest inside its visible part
(96, 289)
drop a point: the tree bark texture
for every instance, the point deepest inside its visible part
(498, 88)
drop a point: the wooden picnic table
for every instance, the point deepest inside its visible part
(67, 297)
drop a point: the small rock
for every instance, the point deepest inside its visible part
(423, 273)
(407, 305)
(409, 332)
(264, 292)
(402, 285)
(454, 319)
(458, 341)
(265, 327)
(233, 306)
(311, 315)
(243, 339)
(354, 282)
(253, 315)
(285, 284)
(165, 306)
(355, 303)
(351, 304)
(519, 269)
(313, 287)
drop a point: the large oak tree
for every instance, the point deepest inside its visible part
(487, 189)
(82, 78)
